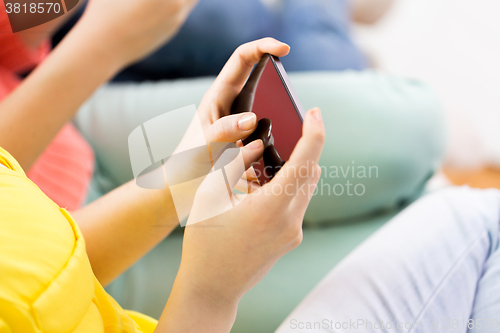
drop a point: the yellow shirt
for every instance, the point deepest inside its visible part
(46, 282)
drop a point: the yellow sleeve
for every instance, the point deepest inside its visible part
(3, 327)
(47, 283)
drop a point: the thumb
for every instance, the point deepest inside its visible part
(232, 128)
(235, 167)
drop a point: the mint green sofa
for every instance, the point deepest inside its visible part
(394, 125)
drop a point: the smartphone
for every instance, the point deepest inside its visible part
(269, 94)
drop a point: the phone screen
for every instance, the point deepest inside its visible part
(269, 94)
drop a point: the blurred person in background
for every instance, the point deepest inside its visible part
(317, 30)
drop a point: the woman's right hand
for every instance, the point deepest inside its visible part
(226, 255)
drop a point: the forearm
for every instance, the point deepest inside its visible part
(124, 225)
(110, 35)
(190, 309)
(33, 114)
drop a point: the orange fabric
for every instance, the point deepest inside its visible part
(64, 171)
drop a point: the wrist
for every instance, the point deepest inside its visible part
(190, 308)
(88, 43)
(207, 292)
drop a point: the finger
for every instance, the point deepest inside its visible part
(243, 184)
(238, 166)
(249, 182)
(246, 186)
(232, 128)
(237, 69)
(303, 163)
(251, 175)
(217, 186)
(304, 193)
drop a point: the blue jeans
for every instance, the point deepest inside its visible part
(317, 31)
(433, 268)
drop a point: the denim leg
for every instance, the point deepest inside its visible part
(486, 312)
(318, 32)
(213, 30)
(430, 269)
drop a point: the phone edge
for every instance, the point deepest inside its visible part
(278, 66)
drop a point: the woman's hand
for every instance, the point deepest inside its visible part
(226, 255)
(232, 251)
(213, 124)
(231, 241)
(219, 98)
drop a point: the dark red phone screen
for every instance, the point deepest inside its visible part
(269, 94)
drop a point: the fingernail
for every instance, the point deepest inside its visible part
(316, 113)
(254, 145)
(247, 121)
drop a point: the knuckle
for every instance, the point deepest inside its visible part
(318, 137)
(267, 40)
(225, 129)
(220, 130)
(240, 50)
(294, 234)
(243, 56)
(297, 239)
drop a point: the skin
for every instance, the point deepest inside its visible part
(125, 224)
(93, 52)
(140, 218)
(225, 256)
(33, 37)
